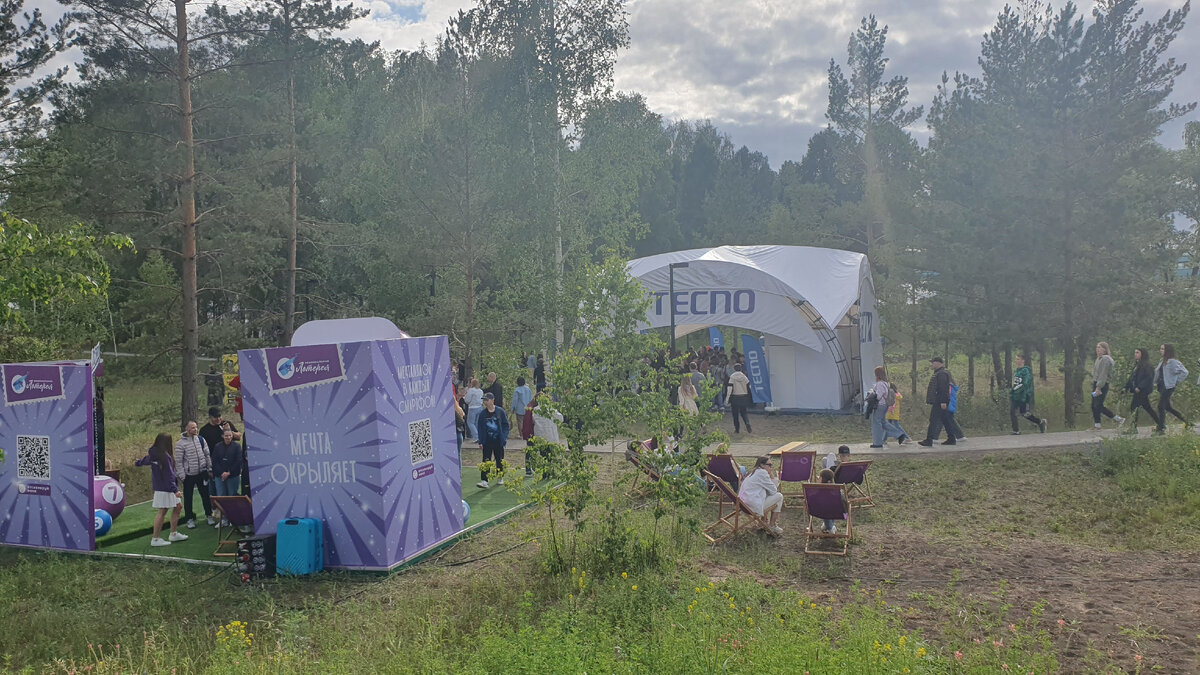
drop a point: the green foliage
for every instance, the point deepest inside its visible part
(1163, 473)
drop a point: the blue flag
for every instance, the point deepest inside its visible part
(756, 369)
(714, 337)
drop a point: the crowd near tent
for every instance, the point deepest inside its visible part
(814, 309)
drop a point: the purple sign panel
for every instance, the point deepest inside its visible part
(46, 476)
(290, 368)
(345, 447)
(29, 383)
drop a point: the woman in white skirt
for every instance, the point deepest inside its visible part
(166, 489)
(760, 492)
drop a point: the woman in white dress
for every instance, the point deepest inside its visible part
(687, 396)
(760, 492)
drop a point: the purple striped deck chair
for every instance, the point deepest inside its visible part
(853, 474)
(240, 513)
(795, 468)
(825, 501)
(740, 517)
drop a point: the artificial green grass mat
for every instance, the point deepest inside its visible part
(131, 530)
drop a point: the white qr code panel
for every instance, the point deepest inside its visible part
(33, 457)
(420, 440)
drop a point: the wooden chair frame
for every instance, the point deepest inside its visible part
(739, 519)
(859, 494)
(815, 531)
(643, 469)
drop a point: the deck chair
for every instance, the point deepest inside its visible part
(739, 518)
(795, 468)
(853, 474)
(824, 501)
(240, 513)
(723, 466)
(633, 455)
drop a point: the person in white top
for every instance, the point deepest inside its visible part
(881, 389)
(738, 397)
(474, 400)
(760, 492)
(687, 396)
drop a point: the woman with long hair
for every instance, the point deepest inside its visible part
(1141, 381)
(166, 489)
(1169, 373)
(1101, 375)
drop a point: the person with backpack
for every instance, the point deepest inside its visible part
(881, 397)
(1167, 375)
(493, 436)
(1020, 397)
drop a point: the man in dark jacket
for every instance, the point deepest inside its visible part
(493, 435)
(937, 395)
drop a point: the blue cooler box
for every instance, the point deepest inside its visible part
(299, 546)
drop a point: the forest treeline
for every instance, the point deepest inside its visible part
(269, 171)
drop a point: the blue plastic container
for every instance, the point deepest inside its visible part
(299, 546)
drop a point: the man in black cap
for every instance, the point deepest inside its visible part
(493, 436)
(937, 395)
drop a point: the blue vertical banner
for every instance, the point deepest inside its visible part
(714, 337)
(756, 369)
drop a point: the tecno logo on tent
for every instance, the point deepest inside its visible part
(706, 302)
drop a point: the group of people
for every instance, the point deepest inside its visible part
(883, 400)
(480, 416)
(759, 491)
(726, 371)
(205, 457)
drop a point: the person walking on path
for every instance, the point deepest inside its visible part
(882, 398)
(937, 395)
(193, 460)
(738, 398)
(1101, 377)
(1020, 397)
(166, 490)
(493, 436)
(1169, 373)
(891, 421)
(521, 398)
(1141, 381)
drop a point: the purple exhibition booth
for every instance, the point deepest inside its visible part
(359, 434)
(47, 435)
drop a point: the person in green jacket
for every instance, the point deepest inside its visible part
(1020, 397)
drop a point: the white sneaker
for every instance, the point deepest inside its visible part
(777, 530)
(1119, 420)
(500, 482)
(1096, 427)
(191, 524)
(224, 523)
(159, 541)
(482, 484)
(831, 530)
(177, 536)
(209, 520)
(1042, 425)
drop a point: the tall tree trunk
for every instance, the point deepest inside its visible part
(1070, 374)
(187, 198)
(1008, 371)
(997, 368)
(970, 374)
(289, 322)
(913, 373)
(1042, 360)
(469, 222)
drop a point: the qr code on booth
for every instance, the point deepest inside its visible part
(33, 457)
(420, 440)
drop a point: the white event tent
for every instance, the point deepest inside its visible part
(814, 307)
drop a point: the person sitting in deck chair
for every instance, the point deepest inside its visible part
(760, 492)
(827, 477)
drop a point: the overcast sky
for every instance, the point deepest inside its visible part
(757, 68)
